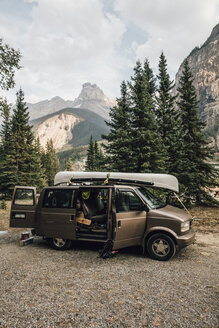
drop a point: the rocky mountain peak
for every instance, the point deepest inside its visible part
(94, 99)
(215, 32)
(91, 91)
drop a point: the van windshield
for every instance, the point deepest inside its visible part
(153, 201)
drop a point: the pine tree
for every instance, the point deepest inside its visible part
(69, 165)
(50, 163)
(23, 140)
(95, 158)
(37, 170)
(20, 161)
(167, 117)
(147, 152)
(9, 61)
(149, 77)
(89, 166)
(99, 159)
(195, 174)
(118, 149)
(7, 161)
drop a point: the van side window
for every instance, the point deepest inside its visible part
(58, 198)
(128, 201)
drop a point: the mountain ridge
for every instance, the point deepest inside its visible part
(91, 97)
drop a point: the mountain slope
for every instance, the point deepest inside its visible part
(70, 127)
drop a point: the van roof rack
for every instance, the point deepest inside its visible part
(111, 181)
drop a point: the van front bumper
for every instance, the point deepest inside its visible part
(186, 240)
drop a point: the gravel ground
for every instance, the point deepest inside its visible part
(42, 287)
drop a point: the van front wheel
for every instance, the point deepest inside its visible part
(161, 247)
(60, 244)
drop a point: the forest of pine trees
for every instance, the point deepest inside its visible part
(151, 130)
(22, 159)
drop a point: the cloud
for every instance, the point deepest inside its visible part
(67, 42)
(174, 27)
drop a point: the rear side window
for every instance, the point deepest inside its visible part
(24, 197)
(58, 198)
(128, 201)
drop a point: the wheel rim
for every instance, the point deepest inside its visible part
(160, 247)
(59, 242)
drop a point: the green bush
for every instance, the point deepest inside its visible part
(3, 205)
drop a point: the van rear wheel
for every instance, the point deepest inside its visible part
(161, 247)
(60, 244)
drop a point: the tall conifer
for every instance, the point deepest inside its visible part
(23, 140)
(118, 149)
(7, 160)
(50, 162)
(147, 152)
(196, 173)
(69, 165)
(168, 118)
(90, 156)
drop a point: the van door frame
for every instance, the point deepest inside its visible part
(130, 226)
(23, 215)
(109, 225)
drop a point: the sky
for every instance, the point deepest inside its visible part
(65, 43)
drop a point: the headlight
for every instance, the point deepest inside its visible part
(185, 226)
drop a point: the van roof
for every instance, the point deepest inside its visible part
(165, 181)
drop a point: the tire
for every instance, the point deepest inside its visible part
(161, 247)
(60, 244)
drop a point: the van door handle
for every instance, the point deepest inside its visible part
(119, 224)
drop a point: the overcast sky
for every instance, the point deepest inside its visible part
(65, 43)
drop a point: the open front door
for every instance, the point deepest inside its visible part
(130, 219)
(23, 207)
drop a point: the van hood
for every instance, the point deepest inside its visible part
(170, 212)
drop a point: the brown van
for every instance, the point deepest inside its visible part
(119, 208)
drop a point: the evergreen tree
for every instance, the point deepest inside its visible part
(95, 159)
(23, 141)
(9, 61)
(99, 159)
(50, 163)
(195, 174)
(69, 165)
(37, 170)
(19, 160)
(149, 77)
(89, 166)
(167, 118)
(147, 152)
(118, 149)
(7, 161)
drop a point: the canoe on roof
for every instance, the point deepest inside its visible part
(165, 181)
